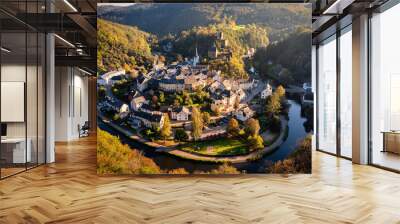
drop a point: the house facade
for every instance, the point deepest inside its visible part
(137, 102)
(171, 85)
(180, 113)
(266, 92)
(149, 120)
(244, 114)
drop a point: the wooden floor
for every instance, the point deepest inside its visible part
(69, 191)
(387, 159)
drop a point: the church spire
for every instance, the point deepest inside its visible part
(196, 58)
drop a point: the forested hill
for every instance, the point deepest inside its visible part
(121, 46)
(290, 59)
(161, 19)
(239, 37)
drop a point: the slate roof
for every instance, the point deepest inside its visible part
(172, 81)
(147, 107)
(180, 109)
(147, 116)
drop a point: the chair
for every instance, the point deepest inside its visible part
(84, 130)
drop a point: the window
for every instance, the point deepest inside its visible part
(385, 89)
(327, 95)
(22, 88)
(346, 92)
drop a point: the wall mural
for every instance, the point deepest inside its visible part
(204, 88)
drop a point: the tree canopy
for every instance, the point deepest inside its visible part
(252, 127)
(293, 54)
(115, 158)
(166, 131)
(197, 123)
(122, 47)
(233, 128)
(171, 19)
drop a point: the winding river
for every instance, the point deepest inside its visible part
(296, 132)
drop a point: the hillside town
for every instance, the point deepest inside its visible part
(202, 107)
(222, 97)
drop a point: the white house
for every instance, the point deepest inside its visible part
(149, 120)
(216, 75)
(123, 110)
(180, 113)
(225, 101)
(137, 102)
(245, 84)
(172, 85)
(266, 92)
(244, 114)
(216, 86)
(227, 84)
(241, 94)
(142, 82)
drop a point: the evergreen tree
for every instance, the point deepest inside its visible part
(180, 135)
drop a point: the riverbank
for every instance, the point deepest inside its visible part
(131, 135)
(172, 150)
(234, 159)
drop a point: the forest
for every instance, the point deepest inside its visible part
(161, 19)
(294, 59)
(285, 58)
(240, 38)
(121, 46)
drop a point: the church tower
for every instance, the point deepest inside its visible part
(196, 58)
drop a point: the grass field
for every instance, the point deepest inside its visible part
(223, 146)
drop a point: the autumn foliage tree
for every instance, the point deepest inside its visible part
(252, 127)
(273, 105)
(297, 162)
(233, 128)
(197, 123)
(255, 141)
(206, 118)
(166, 128)
(280, 91)
(225, 169)
(178, 171)
(113, 157)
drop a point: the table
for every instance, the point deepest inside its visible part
(13, 150)
(391, 141)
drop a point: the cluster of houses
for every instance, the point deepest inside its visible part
(227, 95)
